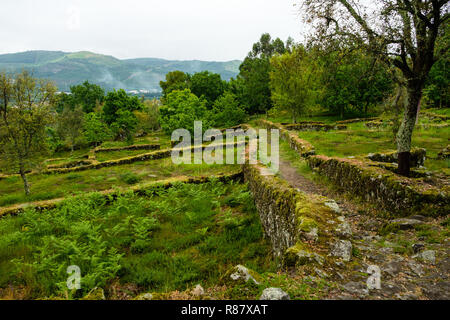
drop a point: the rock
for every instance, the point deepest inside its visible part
(344, 230)
(144, 296)
(342, 249)
(405, 224)
(298, 255)
(357, 288)
(427, 256)
(198, 291)
(321, 273)
(95, 294)
(417, 217)
(333, 206)
(416, 268)
(438, 291)
(274, 294)
(417, 247)
(392, 268)
(242, 274)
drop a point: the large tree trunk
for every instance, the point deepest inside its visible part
(404, 134)
(25, 180)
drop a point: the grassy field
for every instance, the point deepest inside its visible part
(44, 187)
(358, 140)
(183, 236)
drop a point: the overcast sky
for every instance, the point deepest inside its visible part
(171, 29)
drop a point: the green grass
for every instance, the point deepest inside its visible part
(183, 236)
(44, 187)
(359, 141)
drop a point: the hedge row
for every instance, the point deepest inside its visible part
(398, 195)
(141, 190)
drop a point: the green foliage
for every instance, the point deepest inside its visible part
(227, 112)
(254, 86)
(148, 117)
(119, 100)
(70, 125)
(294, 81)
(353, 81)
(180, 111)
(95, 130)
(175, 80)
(25, 113)
(130, 178)
(151, 242)
(87, 95)
(207, 85)
(125, 125)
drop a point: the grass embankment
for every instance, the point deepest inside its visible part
(186, 235)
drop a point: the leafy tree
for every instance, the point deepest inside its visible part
(70, 125)
(402, 33)
(87, 95)
(294, 81)
(95, 130)
(181, 109)
(254, 72)
(227, 112)
(125, 125)
(119, 100)
(25, 112)
(175, 80)
(437, 89)
(148, 118)
(353, 81)
(207, 85)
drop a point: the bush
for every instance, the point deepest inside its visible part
(226, 111)
(130, 178)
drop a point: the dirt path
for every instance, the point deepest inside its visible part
(297, 181)
(414, 265)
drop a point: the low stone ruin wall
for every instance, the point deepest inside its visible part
(398, 195)
(315, 127)
(418, 157)
(145, 189)
(357, 120)
(133, 147)
(303, 229)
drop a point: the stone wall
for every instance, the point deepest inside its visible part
(144, 189)
(398, 195)
(302, 228)
(418, 157)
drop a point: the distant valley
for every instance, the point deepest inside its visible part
(134, 75)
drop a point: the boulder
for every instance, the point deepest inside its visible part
(342, 249)
(274, 294)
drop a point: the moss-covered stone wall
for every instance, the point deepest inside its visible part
(301, 227)
(418, 157)
(398, 195)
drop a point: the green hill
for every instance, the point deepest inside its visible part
(68, 69)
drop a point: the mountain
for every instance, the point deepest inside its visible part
(68, 69)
